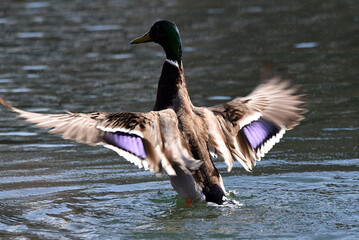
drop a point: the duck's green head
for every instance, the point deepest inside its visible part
(166, 34)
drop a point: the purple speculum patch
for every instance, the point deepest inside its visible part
(126, 141)
(259, 131)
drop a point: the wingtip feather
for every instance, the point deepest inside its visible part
(5, 103)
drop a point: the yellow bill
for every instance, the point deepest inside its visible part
(142, 39)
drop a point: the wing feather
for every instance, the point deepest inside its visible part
(151, 140)
(254, 124)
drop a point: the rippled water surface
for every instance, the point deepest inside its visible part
(75, 55)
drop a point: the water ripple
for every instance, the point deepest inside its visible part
(41, 4)
(28, 192)
(16, 90)
(4, 80)
(102, 28)
(30, 35)
(122, 56)
(18, 134)
(35, 67)
(219, 98)
(306, 45)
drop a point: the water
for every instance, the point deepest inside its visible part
(75, 55)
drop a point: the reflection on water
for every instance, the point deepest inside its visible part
(75, 55)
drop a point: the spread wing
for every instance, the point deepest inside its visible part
(150, 140)
(247, 128)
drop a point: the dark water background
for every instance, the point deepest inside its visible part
(75, 55)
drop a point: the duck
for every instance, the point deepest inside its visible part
(178, 138)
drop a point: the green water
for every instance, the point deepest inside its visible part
(75, 55)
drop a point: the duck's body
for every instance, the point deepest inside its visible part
(172, 95)
(179, 138)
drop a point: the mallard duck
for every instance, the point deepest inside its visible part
(178, 138)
